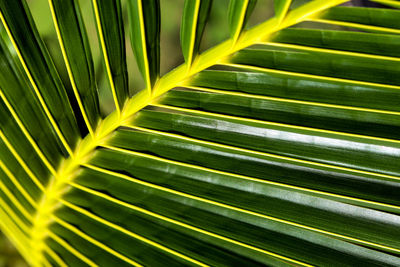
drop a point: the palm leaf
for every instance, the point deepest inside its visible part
(278, 146)
(239, 13)
(111, 35)
(78, 59)
(145, 17)
(194, 18)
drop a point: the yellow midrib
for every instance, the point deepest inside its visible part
(69, 168)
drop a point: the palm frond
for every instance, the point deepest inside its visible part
(278, 146)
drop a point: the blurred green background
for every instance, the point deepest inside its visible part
(8, 255)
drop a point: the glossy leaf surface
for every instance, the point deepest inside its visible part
(277, 147)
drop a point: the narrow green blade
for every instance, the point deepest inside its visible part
(75, 48)
(145, 37)
(110, 27)
(194, 19)
(369, 19)
(281, 8)
(289, 85)
(238, 14)
(321, 63)
(368, 43)
(285, 110)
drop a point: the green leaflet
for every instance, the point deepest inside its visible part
(286, 111)
(40, 70)
(150, 220)
(368, 43)
(387, 18)
(369, 19)
(281, 8)
(18, 172)
(194, 18)
(238, 14)
(264, 138)
(291, 85)
(178, 190)
(110, 26)
(77, 57)
(321, 64)
(145, 37)
(16, 92)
